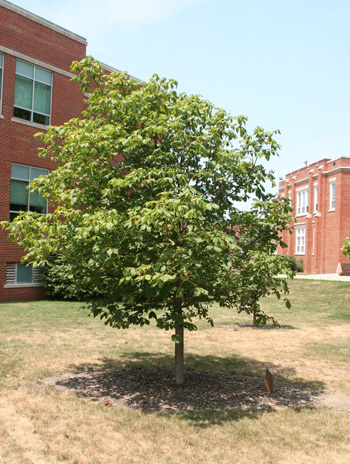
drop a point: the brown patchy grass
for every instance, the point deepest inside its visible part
(39, 424)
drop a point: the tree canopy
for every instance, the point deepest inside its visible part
(145, 205)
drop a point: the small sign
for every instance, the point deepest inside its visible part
(270, 381)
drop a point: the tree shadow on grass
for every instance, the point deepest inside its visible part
(205, 419)
(262, 327)
(146, 383)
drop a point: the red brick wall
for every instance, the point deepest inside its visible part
(325, 231)
(37, 41)
(345, 207)
(17, 143)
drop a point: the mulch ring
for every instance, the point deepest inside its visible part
(258, 327)
(156, 390)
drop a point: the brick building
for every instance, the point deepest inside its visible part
(35, 90)
(321, 207)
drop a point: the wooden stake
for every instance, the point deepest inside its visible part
(270, 381)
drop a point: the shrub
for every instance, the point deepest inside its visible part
(290, 262)
(293, 263)
(59, 283)
(300, 265)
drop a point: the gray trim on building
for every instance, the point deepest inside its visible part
(35, 62)
(336, 170)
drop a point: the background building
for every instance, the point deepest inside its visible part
(35, 90)
(321, 208)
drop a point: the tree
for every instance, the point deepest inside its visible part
(346, 247)
(259, 278)
(145, 204)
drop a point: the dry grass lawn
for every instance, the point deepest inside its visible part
(41, 424)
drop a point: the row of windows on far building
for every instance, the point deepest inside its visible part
(33, 90)
(303, 199)
(302, 209)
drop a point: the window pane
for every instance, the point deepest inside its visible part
(332, 195)
(300, 240)
(41, 119)
(24, 68)
(306, 200)
(24, 274)
(20, 172)
(42, 75)
(1, 58)
(32, 98)
(12, 216)
(0, 81)
(36, 172)
(42, 97)
(315, 198)
(18, 196)
(37, 203)
(23, 92)
(22, 114)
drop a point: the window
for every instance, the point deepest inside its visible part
(315, 199)
(1, 68)
(303, 201)
(332, 195)
(300, 240)
(21, 198)
(22, 274)
(32, 93)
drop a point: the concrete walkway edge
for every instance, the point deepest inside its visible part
(323, 277)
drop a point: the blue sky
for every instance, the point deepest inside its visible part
(283, 63)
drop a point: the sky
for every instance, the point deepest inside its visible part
(284, 64)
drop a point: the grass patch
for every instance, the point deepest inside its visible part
(336, 350)
(43, 425)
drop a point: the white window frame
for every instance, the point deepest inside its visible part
(28, 181)
(300, 233)
(315, 198)
(303, 202)
(332, 193)
(11, 277)
(34, 79)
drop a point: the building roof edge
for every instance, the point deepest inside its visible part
(333, 171)
(109, 68)
(339, 158)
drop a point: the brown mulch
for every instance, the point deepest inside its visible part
(156, 390)
(258, 327)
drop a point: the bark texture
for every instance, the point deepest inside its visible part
(179, 355)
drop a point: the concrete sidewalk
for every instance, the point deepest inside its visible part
(323, 277)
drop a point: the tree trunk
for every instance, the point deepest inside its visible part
(254, 318)
(179, 355)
